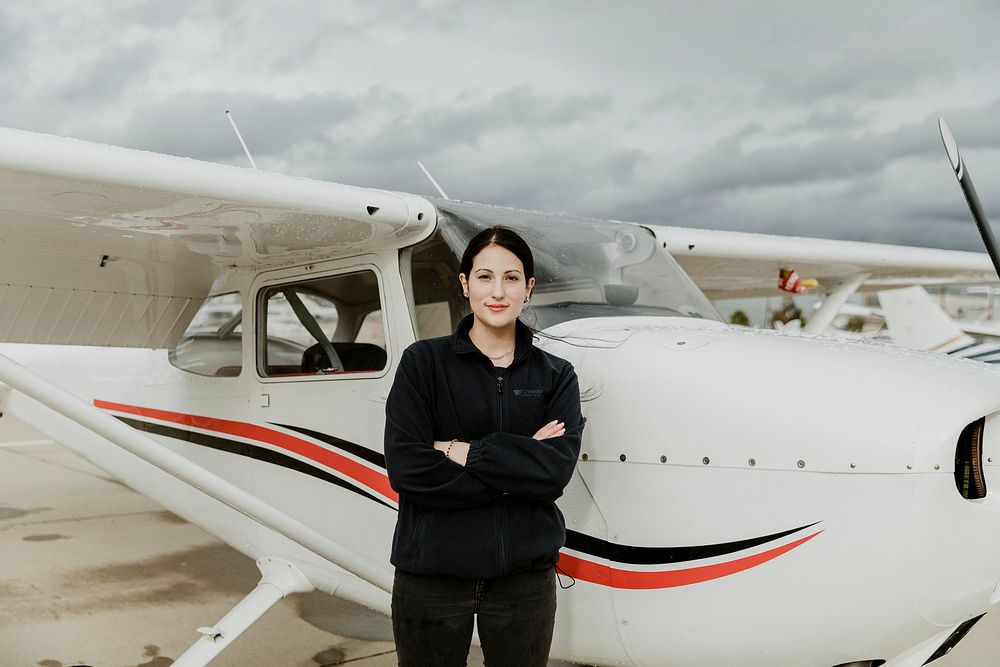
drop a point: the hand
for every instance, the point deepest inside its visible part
(553, 429)
(459, 450)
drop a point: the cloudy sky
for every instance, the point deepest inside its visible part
(816, 119)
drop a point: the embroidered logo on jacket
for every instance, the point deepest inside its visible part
(528, 392)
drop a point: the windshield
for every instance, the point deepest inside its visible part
(583, 268)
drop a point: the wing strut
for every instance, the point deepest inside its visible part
(279, 578)
(823, 317)
(32, 385)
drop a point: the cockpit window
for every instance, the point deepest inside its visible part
(583, 268)
(323, 326)
(213, 342)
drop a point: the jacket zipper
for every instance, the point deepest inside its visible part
(499, 401)
(501, 505)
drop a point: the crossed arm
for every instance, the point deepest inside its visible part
(458, 451)
(477, 472)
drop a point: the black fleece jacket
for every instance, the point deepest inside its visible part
(496, 515)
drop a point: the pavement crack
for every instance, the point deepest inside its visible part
(27, 453)
(77, 519)
(370, 655)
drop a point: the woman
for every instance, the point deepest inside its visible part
(482, 434)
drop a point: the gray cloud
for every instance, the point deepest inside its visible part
(12, 43)
(109, 72)
(840, 117)
(196, 125)
(471, 115)
(893, 186)
(729, 165)
(872, 70)
(841, 155)
(781, 117)
(11, 35)
(873, 51)
(621, 167)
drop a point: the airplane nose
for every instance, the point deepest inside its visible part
(758, 486)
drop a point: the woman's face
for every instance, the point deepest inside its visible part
(496, 286)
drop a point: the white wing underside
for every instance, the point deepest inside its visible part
(738, 264)
(102, 245)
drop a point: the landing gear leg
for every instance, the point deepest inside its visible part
(278, 579)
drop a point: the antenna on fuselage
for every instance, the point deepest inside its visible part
(240, 137)
(428, 174)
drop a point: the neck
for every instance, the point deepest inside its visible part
(492, 341)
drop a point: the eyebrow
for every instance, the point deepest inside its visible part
(491, 270)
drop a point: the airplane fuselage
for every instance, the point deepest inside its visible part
(741, 496)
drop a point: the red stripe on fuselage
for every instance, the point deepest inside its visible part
(597, 573)
(579, 568)
(373, 479)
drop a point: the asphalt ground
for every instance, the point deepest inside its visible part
(96, 574)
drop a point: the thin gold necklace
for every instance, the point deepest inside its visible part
(489, 356)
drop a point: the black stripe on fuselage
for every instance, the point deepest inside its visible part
(351, 448)
(988, 353)
(249, 451)
(593, 546)
(579, 541)
(964, 347)
(622, 553)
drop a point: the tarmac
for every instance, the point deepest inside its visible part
(95, 574)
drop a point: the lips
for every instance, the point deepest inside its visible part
(497, 307)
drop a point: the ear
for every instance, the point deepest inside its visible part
(464, 282)
(531, 286)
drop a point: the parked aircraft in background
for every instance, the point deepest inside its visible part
(914, 320)
(223, 340)
(728, 265)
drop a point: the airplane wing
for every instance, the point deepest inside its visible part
(738, 264)
(102, 245)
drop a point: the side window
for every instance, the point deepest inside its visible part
(213, 342)
(324, 326)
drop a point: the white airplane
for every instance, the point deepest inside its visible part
(916, 321)
(728, 265)
(742, 498)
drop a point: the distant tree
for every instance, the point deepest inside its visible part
(787, 312)
(856, 323)
(740, 318)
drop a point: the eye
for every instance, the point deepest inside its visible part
(514, 278)
(483, 277)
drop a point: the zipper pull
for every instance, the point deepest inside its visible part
(499, 384)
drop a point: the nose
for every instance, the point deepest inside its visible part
(497, 285)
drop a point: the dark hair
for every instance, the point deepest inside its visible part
(503, 237)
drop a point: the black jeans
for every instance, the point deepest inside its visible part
(432, 618)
